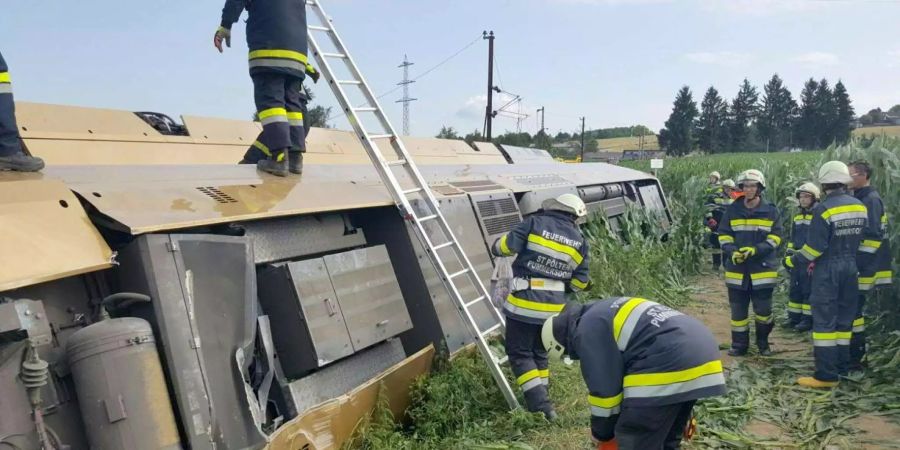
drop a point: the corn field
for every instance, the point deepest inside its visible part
(459, 407)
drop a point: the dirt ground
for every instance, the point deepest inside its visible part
(710, 304)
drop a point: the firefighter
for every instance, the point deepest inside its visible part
(716, 202)
(645, 365)
(276, 36)
(552, 259)
(729, 188)
(799, 311)
(749, 234)
(714, 182)
(12, 153)
(874, 257)
(835, 233)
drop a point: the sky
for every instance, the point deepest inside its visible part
(615, 62)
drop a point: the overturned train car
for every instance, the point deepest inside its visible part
(155, 295)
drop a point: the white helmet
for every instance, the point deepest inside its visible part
(569, 203)
(555, 349)
(834, 172)
(729, 183)
(810, 188)
(752, 175)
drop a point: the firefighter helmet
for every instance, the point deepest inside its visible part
(555, 350)
(752, 175)
(729, 183)
(569, 203)
(834, 172)
(715, 174)
(809, 188)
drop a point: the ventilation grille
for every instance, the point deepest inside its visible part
(497, 214)
(489, 208)
(501, 224)
(477, 185)
(216, 194)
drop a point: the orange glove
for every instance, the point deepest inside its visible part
(608, 445)
(690, 428)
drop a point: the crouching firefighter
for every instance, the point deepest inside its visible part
(276, 36)
(552, 260)
(645, 365)
(750, 233)
(835, 233)
(799, 311)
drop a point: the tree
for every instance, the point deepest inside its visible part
(474, 136)
(743, 113)
(711, 127)
(447, 133)
(826, 114)
(591, 146)
(678, 133)
(894, 109)
(562, 137)
(844, 114)
(316, 116)
(776, 114)
(806, 123)
(522, 139)
(542, 140)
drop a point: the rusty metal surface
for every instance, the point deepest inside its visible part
(43, 224)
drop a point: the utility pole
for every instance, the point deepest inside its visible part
(489, 111)
(541, 111)
(406, 100)
(582, 139)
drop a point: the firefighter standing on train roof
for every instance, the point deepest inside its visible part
(750, 234)
(276, 36)
(835, 234)
(799, 310)
(645, 365)
(12, 152)
(552, 259)
(874, 257)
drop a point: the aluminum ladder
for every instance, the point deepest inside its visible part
(399, 160)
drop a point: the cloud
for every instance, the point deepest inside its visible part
(722, 58)
(817, 59)
(473, 107)
(762, 7)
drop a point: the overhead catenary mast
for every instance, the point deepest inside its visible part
(406, 98)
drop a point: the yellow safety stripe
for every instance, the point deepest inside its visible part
(553, 245)
(504, 249)
(725, 239)
(860, 321)
(884, 218)
(4, 77)
(282, 54)
(790, 245)
(802, 217)
(606, 402)
(757, 222)
(545, 373)
(811, 251)
(656, 379)
(844, 334)
(295, 115)
(884, 277)
(871, 243)
(527, 376)
(740, 323)
(534, 306)
(824, 336)
(622, 315)
(776, 239)
(266, 113)
(843, 209)
(806, 307)
(789, 262)
(757, 276)
(262, 147)
(734, 275)
(794, 305)
(578, 283)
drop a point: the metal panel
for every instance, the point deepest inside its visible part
(497, 213)
(293, 237)
(321, 312)
(532, 200)
(522, 155)
(368, 294)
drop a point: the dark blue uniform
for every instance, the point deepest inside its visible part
(754, 279)
(835, 234)
(874, 261)
(716, 203)
(644, 364)
(798, 308)
(9, 131)
(276, 36)
(552, 259)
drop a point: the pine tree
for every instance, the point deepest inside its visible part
(678, 135)
(826, 114)
(776, 114)
(711, 127)
(743, 113)
(842, 125)
(806, 123)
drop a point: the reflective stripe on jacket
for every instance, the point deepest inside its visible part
(759, 228)
(835, 232)
(874, 259)
(276, 34)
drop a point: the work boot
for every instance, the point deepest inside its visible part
(812, 382)
(737, 352)
(295, 162)
(766, 351)
(21, 162)
(274, 166)
(551, 415)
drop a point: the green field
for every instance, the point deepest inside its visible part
(459, 407)
(650, 143)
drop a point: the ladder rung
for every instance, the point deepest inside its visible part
(367, 109)
(461, 272)
(380, 136)
(502, 360)
(467, 305)
(426, 218)
(318, 28)
(396, 162)
(334, 55)
(444, 245)
(412, 191)
(357, 82)
(491, 329)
